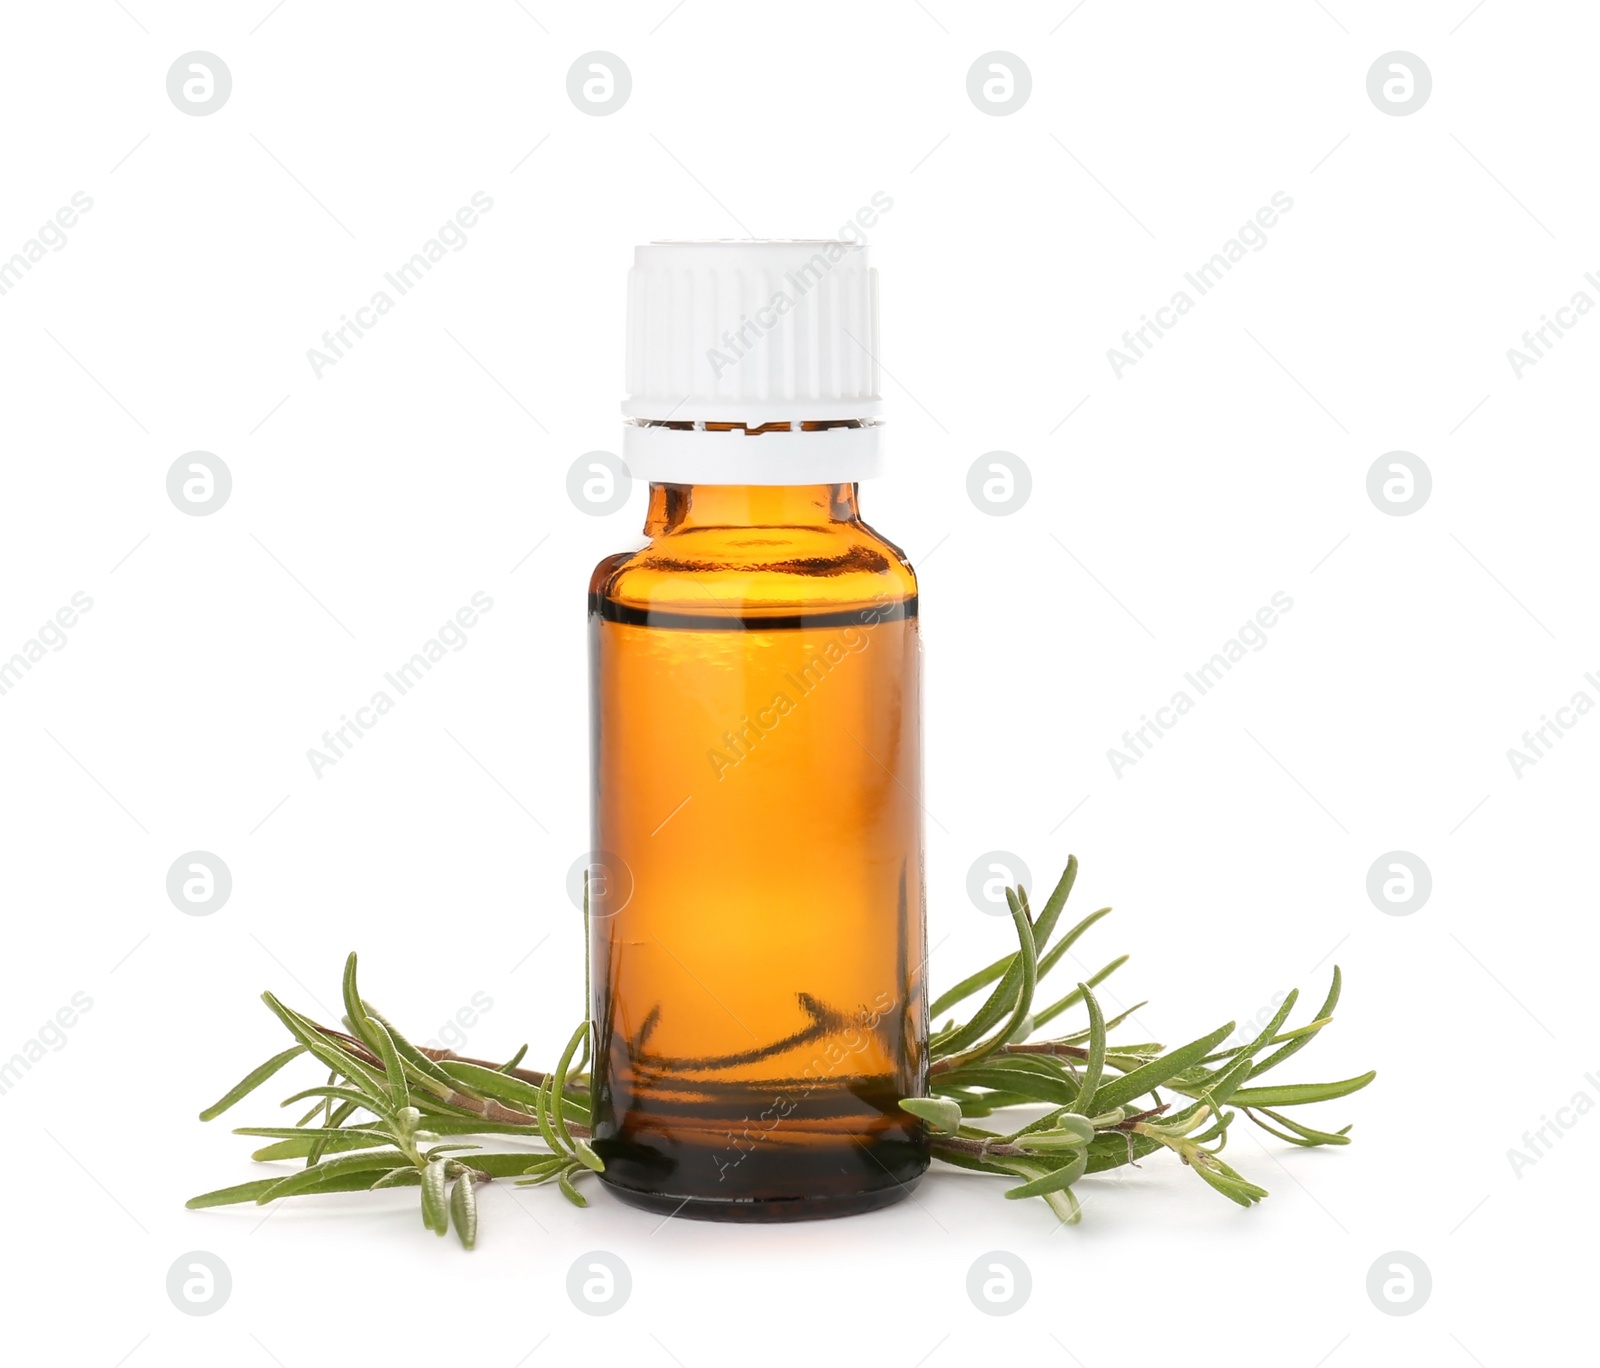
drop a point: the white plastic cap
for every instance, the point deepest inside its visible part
(753, 333)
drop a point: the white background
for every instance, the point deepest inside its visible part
(430, 463)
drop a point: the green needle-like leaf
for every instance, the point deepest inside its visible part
(244, 1192)
(542, 1170)
(322, 1141)
(1042, 930)
(1116, 1148)
(1053, 1140)
(1002, 1001)
(325, 1049)
(435, 1212)
(559, 1086)
(1297, 1134)
(1025, 970)
(422, 1069)
(352, 1181)
(994, 1007)
(1050, 913)
(1156, 1073)
(1048, 1185)
(250, 1082)
(394, 1071)
(492, 1083)
(464, 1210)
(346, 1135)
(1095, 1065)
(332, 1123)
(355, 1009)
(1325, 1012)
(313, 1179)
(542, 1114)
(407, 1175)
(1294, 1094)
(1226, 1181)
(587, 1157)
(1063, 1177)
(505, 1165)
(564, 1178)
(940, 1113)
(1026, 1085)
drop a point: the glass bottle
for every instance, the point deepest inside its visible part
(756, 911)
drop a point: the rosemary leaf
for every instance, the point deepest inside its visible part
(244, 1192)
(355, 1009)
(1294, 1094)
(393, 1070)
(941, 1114)
(1156, 1073)
(435, 1213)
(1025, 973)
(558, 1086)
(1096, 1062)
(314, 1179)
(505, 1165)
(407, 1175)
(325, 1049)
(1054, 1181)
(464, 1210)
(335, 1141)
(306, 1137)
(253, 1192)
(250, 1082)
(492, 1083)
(1325, 1012)
(564, 1179)
(544, 1114)
(587, 1157)
(1301, 1134)
(1046, 924)
(422, 1069)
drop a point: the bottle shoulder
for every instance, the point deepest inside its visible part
(708, 569)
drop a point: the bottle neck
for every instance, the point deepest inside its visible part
(793, 453)
(681, 507)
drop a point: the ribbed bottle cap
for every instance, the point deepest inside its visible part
(756, 333)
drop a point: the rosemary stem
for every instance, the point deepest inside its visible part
(487, 1108)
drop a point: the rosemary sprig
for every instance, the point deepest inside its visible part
(387, 1113)
(992, 1063)
(413, 1099)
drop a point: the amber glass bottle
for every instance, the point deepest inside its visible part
(756, 893)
